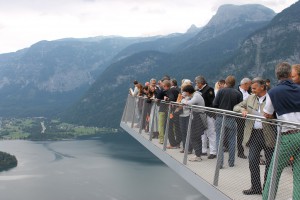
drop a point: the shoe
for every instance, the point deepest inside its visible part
(195, 159)
(161, 142)
(211, 156)
(251, 191)
(242, 156)
(155, 135)
(203, 154)
(182, 151)
(173, 147)
(231, 165)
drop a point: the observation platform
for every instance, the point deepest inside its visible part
(205, 176)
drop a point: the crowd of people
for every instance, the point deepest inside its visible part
(254, 97)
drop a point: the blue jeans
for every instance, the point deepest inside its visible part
(230, 129)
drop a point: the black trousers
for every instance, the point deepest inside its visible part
(184, 121)
(240, 135)
(256, 145)
(196, 133)
(174, 134)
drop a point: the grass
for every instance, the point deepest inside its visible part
(31, 128)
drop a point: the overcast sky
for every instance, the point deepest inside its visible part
(25, 22)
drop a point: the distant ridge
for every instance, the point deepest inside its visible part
(49, 76)
(103, 103)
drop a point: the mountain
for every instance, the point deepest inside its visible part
(50, 75)
(193, 29)
(264, 49)
(164, 44)
(104, 101)
(229, 17)
(218, 41)
(102, 105)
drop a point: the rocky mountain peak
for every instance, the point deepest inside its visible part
(193, 28)
(229, 14)
(229, 17)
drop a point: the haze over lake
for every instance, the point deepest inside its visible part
(110, 167)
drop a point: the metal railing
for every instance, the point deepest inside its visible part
(215, 132)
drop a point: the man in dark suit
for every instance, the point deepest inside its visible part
(208, 95)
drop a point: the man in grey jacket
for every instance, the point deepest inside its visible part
(261, 135)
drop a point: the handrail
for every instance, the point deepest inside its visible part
(228, 112)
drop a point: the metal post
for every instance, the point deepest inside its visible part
(273, 180)
(124, 118)
(220, 149)
(167, 129)
(152, 121)
(141, 117)
(188, 136)
(133, 111)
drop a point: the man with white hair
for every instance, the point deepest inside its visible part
(244, 89)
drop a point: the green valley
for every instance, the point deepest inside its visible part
(40, 128)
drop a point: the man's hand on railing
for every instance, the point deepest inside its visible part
(244, 113)
(166, 98)
(268, 116)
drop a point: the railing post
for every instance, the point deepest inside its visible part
(188, 136)
(133, 110)
(220, 149)
(141, 117)
(125, 111)
(167, 129)
(273, 180)
(152, 121)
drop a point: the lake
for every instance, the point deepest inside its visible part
(108, 167)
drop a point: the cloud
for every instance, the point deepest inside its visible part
(49, 20)
(2, 26)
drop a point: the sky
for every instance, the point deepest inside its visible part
(25, 22)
